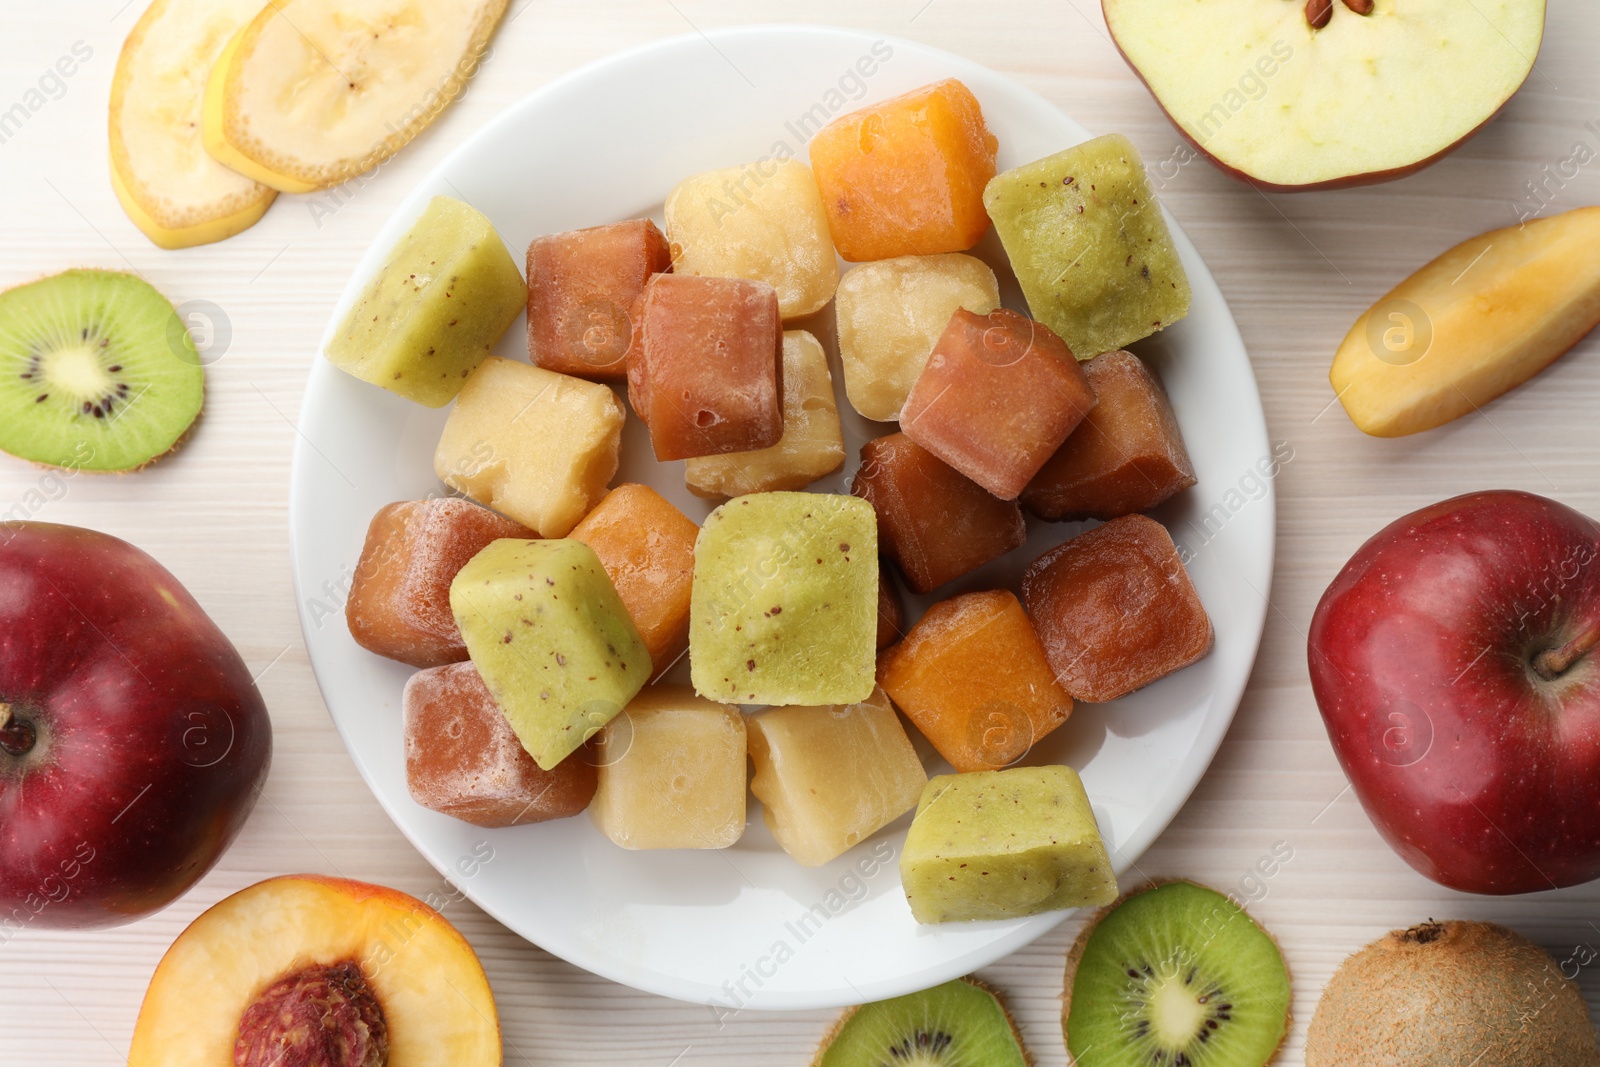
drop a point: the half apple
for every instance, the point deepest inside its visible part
(1307, 94)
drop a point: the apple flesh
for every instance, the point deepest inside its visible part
(1455, 662)
(1303, 96)
(132, 739)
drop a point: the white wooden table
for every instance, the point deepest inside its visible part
(1296, 269)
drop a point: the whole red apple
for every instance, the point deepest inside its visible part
(1454, 660)
(132, 739)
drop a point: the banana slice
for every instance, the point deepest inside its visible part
(313, 92)
(167, 183)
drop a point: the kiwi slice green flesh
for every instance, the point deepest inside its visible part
(958, 1024)
(97, 372)
(1175, 976)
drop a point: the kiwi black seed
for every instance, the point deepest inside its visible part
(1176, 975)
(958, 1024)
(97, 372)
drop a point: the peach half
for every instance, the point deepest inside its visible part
(308, 971)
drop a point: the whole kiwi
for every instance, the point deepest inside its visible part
(1447, 994)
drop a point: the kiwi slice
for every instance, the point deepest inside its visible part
(1177, 975)
(958, 1024)
(97, 372)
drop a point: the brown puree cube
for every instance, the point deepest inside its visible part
(934, 521)
(974, 679)
(998, 396)
(581, 289)
(399, 602)
(1115, 609)
(890, 615)
(647, 549)
(705, 370)
(1126, 456)
(464, 760)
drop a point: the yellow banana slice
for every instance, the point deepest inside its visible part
(314, 92)
(167, 183)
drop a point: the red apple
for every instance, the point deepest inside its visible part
(132, 739)
(1454, 660)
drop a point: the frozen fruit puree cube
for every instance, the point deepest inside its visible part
(905, 177)
(785, 604)
(933, 521)
(1002, 844)
(464, 760)
(890, 315)
(812, 444)
(672, 772)
(1089, 246)
(551, 638)
(436, 307)
(536, 445)
(1126, 456)
(1115, 609)
(890, 614)
(399, 604)
(944, 677)
(831, 777)
(581, 289)
(762, 221)
(704, 372)
(647, 547)
(998, 396)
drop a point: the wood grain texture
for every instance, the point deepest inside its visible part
(1296, 269)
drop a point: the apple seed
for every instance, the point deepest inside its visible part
(1360, 7)
(1318, 12)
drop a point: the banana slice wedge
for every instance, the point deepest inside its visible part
(314, 92)
(165, 180)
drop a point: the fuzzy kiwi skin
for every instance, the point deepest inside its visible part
(1005, 1009)
(1446, 993)
(1075, 956)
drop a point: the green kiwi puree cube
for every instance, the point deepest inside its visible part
(1001, 844)
(434, 309)
(1089, 245)
(552, 640)
(784, 608)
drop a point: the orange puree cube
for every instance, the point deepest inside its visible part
(1127, 455)
(581, 289)
(647, 549)
(974, 679)
(1115, 609)
(399, 602)
(906, 177)
(998, 396)
(934, 521)
(463, 758)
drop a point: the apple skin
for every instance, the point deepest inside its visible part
(151, 742)
(1453, 659)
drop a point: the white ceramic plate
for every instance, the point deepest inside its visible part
(748, 927)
